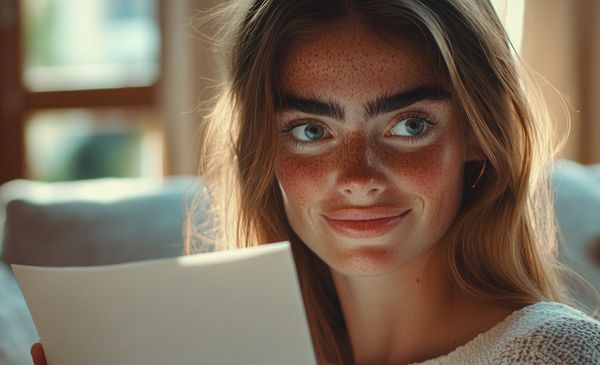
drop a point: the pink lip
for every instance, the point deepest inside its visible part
(365, 222)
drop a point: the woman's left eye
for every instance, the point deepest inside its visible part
(409, 127)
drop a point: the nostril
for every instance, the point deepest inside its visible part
(374, 191)
(368, 188)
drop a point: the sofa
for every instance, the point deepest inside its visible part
(105, 221)
(89, 222)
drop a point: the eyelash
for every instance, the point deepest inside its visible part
(287, 129)
(430, 122)
(296, 123)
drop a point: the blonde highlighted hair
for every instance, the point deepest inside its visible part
(502, 245)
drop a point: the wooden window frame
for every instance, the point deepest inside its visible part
(17, 101)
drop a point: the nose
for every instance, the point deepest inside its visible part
(361, 175)
(368, 188)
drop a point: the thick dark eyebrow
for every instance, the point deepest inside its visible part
(389, 103)
(383, 104)
(312, 106)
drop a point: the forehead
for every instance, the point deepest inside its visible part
(350, 60)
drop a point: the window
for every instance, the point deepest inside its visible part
(79, 82)
(89, 44)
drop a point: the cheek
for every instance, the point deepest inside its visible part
(302, 178)
(435, 172)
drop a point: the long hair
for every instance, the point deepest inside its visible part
(502, 246)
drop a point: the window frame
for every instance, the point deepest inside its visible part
(17, 102)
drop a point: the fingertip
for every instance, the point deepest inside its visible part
(37, 354)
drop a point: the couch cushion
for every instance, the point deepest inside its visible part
(95, 221)
(577, 202)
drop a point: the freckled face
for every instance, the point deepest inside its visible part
(368, 186)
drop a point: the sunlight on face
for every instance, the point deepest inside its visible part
(371, 153)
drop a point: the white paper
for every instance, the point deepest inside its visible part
(234, 307)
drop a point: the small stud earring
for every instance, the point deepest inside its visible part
(474, 185)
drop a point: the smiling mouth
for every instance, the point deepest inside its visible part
(365, 222)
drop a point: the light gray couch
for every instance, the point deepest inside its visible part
(117, 220)
(88, 222)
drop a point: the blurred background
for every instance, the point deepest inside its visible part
(99, 88)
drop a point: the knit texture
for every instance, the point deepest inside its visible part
(543, 333)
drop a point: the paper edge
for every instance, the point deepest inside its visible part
(215, 257)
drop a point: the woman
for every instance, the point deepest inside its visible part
(393, 143)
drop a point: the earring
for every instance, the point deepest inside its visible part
(474, 185)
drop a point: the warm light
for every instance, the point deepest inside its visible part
(511, 13)
(87, 44)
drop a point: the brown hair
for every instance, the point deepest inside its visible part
(502, 246)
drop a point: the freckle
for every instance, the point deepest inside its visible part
(418, 280)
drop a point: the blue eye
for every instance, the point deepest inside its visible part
(409, 127)
(309, 132)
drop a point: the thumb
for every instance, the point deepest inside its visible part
(37, 354)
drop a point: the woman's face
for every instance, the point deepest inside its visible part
(370, 156)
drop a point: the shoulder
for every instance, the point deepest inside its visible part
(543, 333)
(550, 333)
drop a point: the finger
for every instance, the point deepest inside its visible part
(37, 354)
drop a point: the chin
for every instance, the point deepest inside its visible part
(367, 260)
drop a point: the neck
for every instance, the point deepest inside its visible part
(408, 316)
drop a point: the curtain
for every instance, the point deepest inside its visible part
(561, 42)
(188, 82)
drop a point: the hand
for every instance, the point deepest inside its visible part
(37, 354)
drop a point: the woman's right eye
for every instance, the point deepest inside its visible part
(309, 132)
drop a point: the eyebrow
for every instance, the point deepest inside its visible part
(329, 109)
(381, 105)
(389, 103)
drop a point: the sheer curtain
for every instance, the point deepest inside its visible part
(561, 42)
(188, 83)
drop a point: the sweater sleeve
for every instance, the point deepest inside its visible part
(559, 339)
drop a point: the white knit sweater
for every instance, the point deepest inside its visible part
(543, 333)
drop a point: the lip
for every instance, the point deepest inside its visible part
(365, 222)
